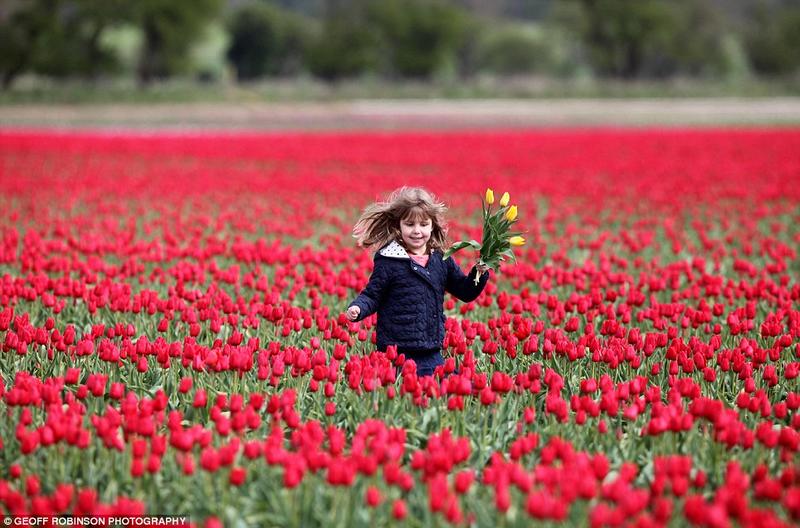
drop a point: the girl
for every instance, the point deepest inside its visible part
(410, 278)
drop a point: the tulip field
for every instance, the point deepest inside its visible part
(173, 338)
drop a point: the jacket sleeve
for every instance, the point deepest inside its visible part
(463, 286)
(370, 297)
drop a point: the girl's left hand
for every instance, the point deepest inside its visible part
(352, 313)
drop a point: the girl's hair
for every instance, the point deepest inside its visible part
(380, 222)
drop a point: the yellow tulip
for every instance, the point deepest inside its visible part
(504, 200)
(489, 196)
(511, 214)
(516, 241)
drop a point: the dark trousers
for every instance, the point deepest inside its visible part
(426, 360)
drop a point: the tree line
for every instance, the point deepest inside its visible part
(397, 39)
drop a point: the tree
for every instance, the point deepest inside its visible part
(266, 40)
(24, 26)
(773, 42)
(417, 36)
(516, 49)
(73, 47)
(622, 35)
(403, 38)
(347, 45)
(697, 43)
(169, 28)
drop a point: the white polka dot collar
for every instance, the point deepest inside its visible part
(394, 250)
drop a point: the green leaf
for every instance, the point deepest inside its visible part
(458, 246)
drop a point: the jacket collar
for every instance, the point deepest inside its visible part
(394, 250)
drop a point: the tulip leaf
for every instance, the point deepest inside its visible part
(458, 246)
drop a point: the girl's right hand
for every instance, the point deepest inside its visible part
(482, 268)
(353, 312)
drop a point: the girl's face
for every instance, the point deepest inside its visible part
(416, 231)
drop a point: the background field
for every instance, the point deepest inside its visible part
(172, 338)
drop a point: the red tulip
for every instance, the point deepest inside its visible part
(464, 480)
(372, 497)
(237, 476)
(399, 509)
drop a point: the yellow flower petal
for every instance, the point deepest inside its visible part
(489, 196)
(504, 200)
(516, 241)
(511, 214)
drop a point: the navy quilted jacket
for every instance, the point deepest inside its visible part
(409, 297)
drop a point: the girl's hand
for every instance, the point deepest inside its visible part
(353, 312)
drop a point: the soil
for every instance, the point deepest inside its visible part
(409, 114)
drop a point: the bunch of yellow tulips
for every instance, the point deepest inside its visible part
(498, 240)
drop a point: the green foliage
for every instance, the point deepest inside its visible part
(208, 56)
(266, 40)
(417, 36)
(62, 38)
(622, 36)
(656, 38)
(124, 42)
(347, 45)
(516, 49)
(59, 38)
(170, 27)
(408, 39)
(735, 64)
(398, 39)
(74, 46)
(695, 45)
(773, 42)
(24, 29)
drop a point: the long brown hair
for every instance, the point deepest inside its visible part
(379, 224)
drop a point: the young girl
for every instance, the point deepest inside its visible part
(410, 278)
